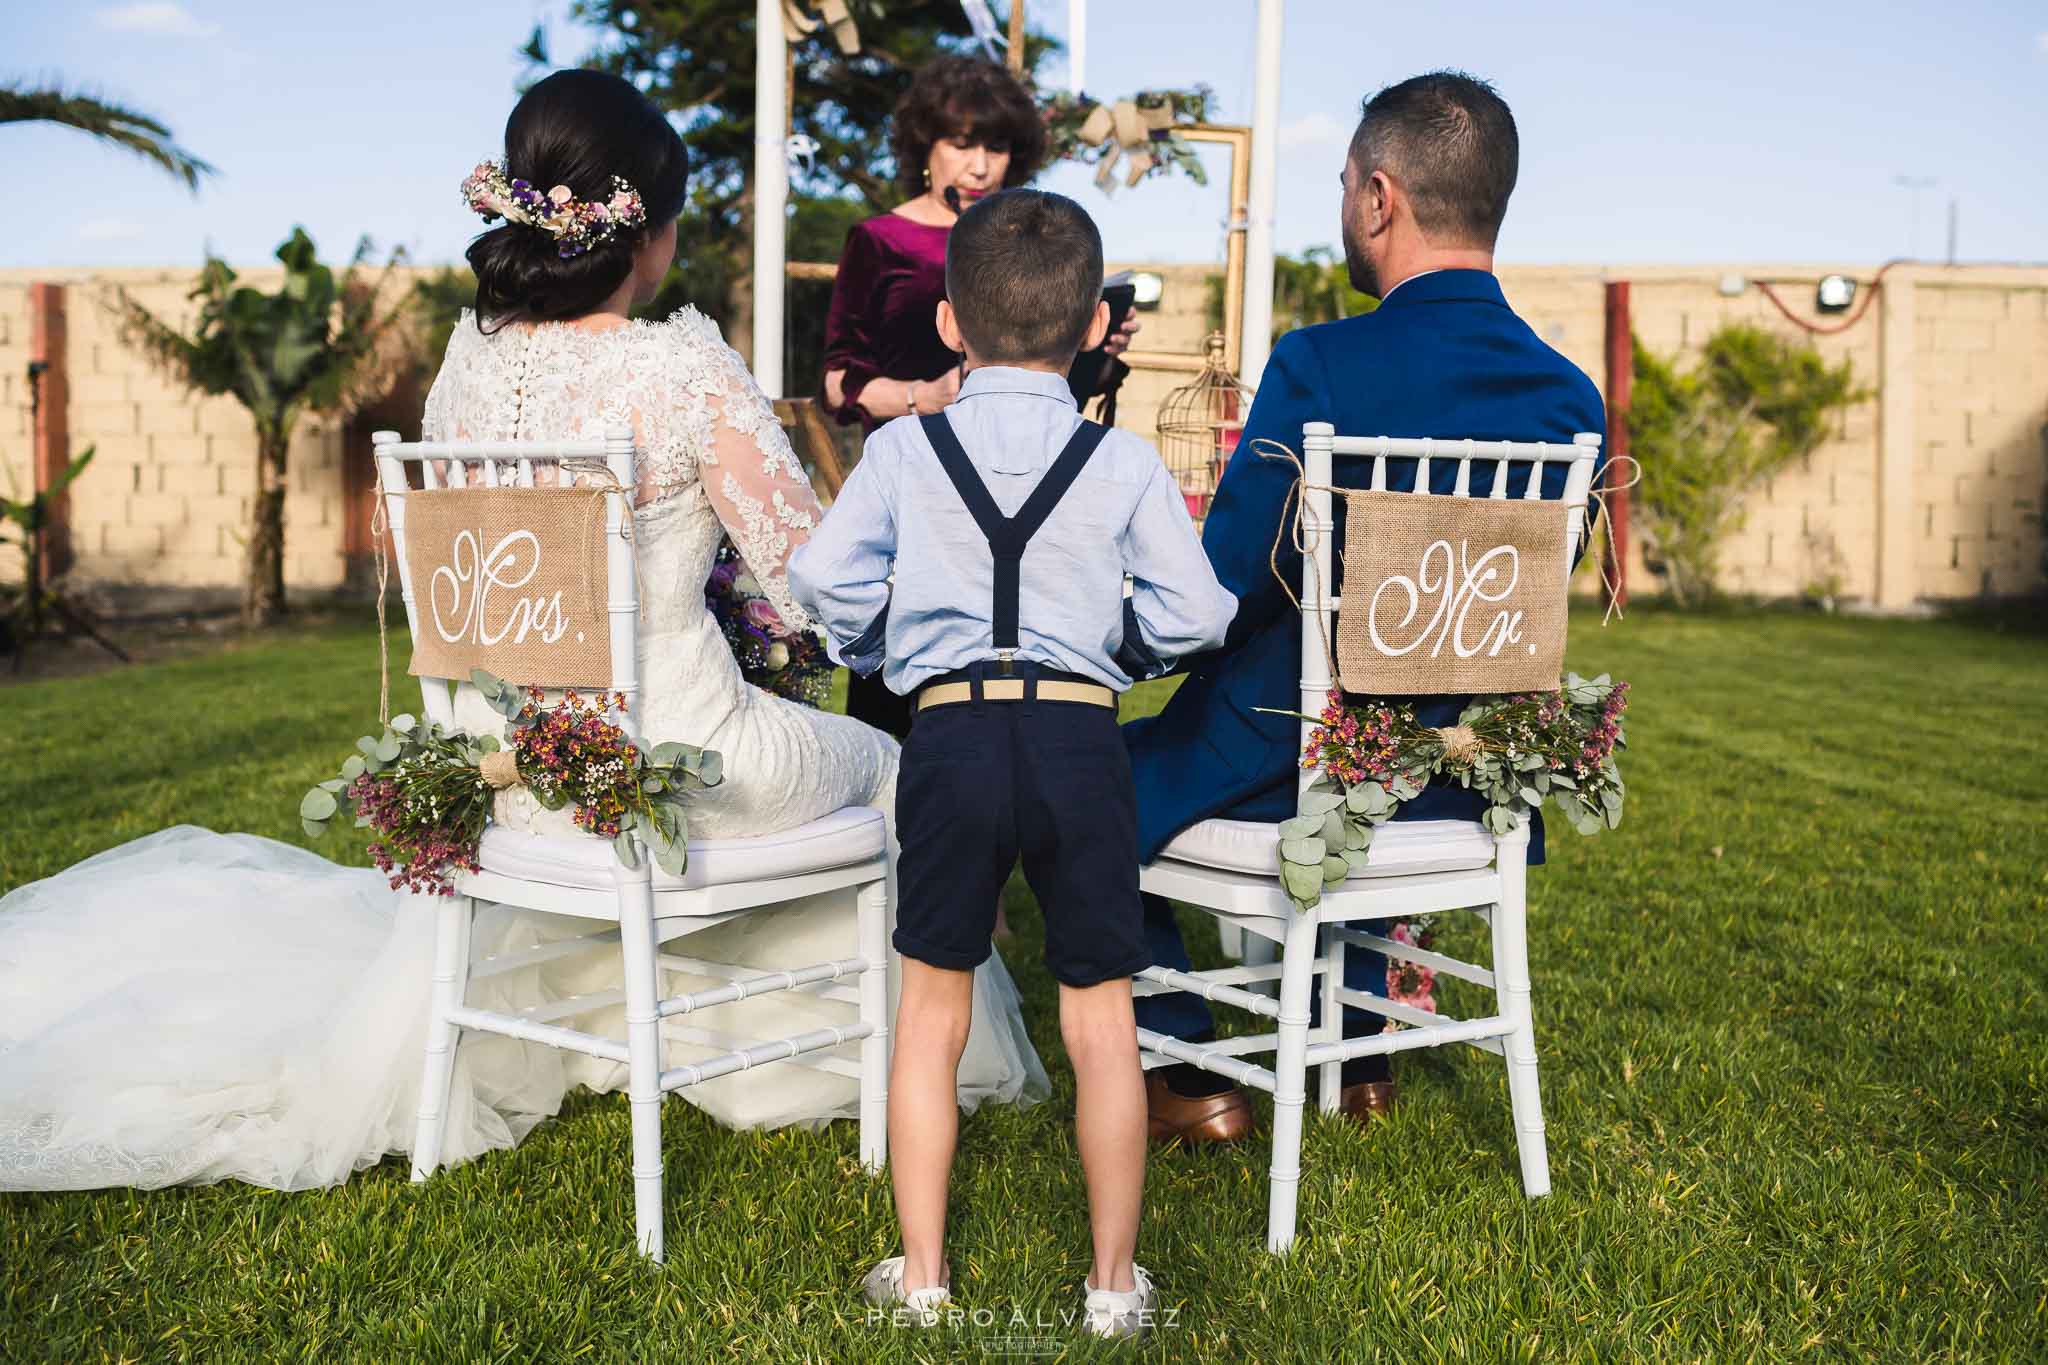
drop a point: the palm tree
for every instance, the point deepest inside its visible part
(137, 132)
(317, 344)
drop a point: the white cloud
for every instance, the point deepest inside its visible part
(109, 230)
(1319, 129)
(164, 17)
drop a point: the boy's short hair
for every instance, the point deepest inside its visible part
(1024, 273)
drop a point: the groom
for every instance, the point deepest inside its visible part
(1426, 184)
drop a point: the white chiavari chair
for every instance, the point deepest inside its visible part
(1229, 868)
(644, 908)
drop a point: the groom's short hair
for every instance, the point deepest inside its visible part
(1023, 273)
(1450, 140)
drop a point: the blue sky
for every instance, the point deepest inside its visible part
(1737, 131)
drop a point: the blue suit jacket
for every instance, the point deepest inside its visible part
(1442, 356)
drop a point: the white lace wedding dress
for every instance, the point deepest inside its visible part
(193, 1007)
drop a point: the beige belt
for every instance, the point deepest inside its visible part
(1012, 689)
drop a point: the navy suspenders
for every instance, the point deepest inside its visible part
(1007, 536)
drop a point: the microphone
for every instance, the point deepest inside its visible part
(952, 198)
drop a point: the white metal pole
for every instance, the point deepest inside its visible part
(771, 192)
(1264, 206)
(1077, 44)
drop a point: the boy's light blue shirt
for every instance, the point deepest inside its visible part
(899, 513)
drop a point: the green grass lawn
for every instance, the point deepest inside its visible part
(1791, 1018)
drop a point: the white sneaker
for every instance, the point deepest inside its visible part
(884, 1289)
(1109, 1313)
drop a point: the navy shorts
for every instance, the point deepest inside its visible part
(985, 783)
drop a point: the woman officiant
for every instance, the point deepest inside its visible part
(965, 129)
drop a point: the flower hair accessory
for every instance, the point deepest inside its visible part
(577, 225)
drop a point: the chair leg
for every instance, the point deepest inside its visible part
(643, 1051)
(451, 983)
(1512, 990)
(1290, 1073)
(874, 1011)
(1330, 958)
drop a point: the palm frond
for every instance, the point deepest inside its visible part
(127, 128)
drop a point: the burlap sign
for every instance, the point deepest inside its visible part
(511, 580)
(1445, 595)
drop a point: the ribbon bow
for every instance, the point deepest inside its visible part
(1127, 128)
(798, 24)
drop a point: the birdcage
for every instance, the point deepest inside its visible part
(1199, 425)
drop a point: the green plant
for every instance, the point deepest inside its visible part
(26, 610)
(1754, 404)
(1310, 288)
(110, 123)
(313, 345)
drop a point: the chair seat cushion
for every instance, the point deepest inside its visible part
(855, 834)
(1399, 848)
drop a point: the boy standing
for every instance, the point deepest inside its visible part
(1009, 524)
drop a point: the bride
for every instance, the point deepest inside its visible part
(194, 1007)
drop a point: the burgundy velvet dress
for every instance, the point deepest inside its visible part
(883, 325)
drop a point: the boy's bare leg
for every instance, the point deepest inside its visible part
(932, 1017)
(1109, 1120)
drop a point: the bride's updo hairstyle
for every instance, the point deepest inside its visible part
(577, 128)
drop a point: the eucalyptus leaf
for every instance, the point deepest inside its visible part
(489, 744)
(1333, 829)
(711, 768)
(1301, 826)
(1335, 870)
(1355, 858)
(1315, 802)
(315, 828)
(333, 784)
(318, 804)
(367, 746)
(1611, 799)
(622, 845)
(1357, 838)
(1531, 795)
(672, 856)
(362, 822)
(1304, 884)
(389, 748)
(404, 723)
(1307, 852)
(351, 767)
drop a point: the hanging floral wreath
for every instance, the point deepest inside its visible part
(1129, 138)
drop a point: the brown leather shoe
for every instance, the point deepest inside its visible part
(1368, 1100)
(1211, 1118)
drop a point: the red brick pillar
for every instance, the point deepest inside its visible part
(51, 389)
(1621, 373)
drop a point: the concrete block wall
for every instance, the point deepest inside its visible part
(17, 462)
(1930, 489)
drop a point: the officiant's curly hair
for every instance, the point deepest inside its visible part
(1450, 139)
(577, 128)
(971, 98)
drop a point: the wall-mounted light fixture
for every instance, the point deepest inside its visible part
(1835, 294)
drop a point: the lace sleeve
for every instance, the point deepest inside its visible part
(756, 484)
